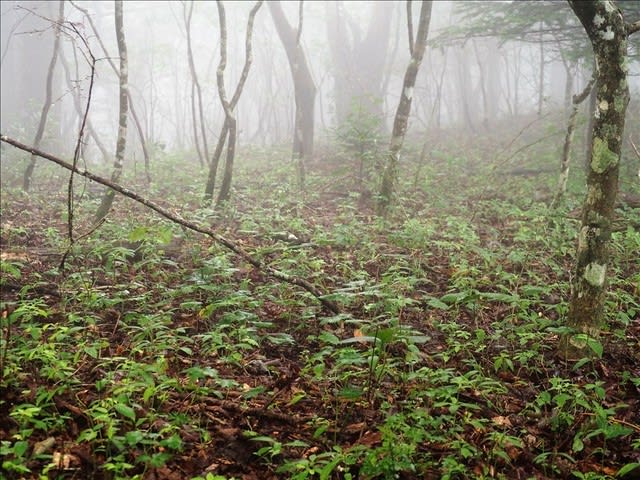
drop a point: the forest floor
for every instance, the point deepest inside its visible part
(157, 354)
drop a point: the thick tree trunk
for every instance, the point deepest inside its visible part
(605, 27)
(121, 142)
(28, 173)
(404, 109)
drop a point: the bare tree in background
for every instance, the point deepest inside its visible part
(229, 127)
(303, 84)
(605, 27)
(131, 105)
(401, 120)
(107, 200)
(359, 59)
(187, 13)
(28, 173)
(75, 92)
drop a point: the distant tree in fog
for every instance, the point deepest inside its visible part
(358, 60)
(196, 91)
(303, 85)
(28, 173)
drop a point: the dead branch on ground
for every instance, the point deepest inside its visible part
(270, 271)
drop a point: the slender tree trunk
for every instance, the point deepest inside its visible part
(28, 173)
(541, 72)
(606, 29)
(194, 121)
(303, 84)
(568, 140)
(78, 108)
(230, 123)
(121, 142)
(401, 120)
(194, 79)
(131, 106)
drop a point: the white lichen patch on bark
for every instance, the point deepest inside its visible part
(607, 34)
(582, 238)
(408, 92)
(598, 20)
(603, 105)
(594, 274)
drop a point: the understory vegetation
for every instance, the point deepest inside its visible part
(158, 354)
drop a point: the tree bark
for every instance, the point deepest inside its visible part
(28, 173)
(229, 127)
(568, 140)
(121, 142)
(194, 78)
(303, 85)
(134, 113)
(404, 109)
(606, 29)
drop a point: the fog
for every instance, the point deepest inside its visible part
(467, 81)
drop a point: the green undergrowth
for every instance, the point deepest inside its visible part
(157, 351)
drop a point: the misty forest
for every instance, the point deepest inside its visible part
(320, 240)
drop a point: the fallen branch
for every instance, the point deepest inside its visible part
(270, 271)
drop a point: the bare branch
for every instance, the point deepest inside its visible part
(230, 245)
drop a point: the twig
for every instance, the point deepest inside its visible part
(76, 154)
(270, 271)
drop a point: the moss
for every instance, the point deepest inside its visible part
(594, 194)
(602, 158)
(594, 274)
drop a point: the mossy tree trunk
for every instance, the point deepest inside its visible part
(121, 142)
(606, 29)
(390, 174)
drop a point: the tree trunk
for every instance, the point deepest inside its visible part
(78, 107)
(131, 106)
(28, 173)
(568, 140)
(194, 78)
(359, 61)
(404, 109)
(121, 142)
(229, 127)
(541, 72)
(606, 29)
(303, 84)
